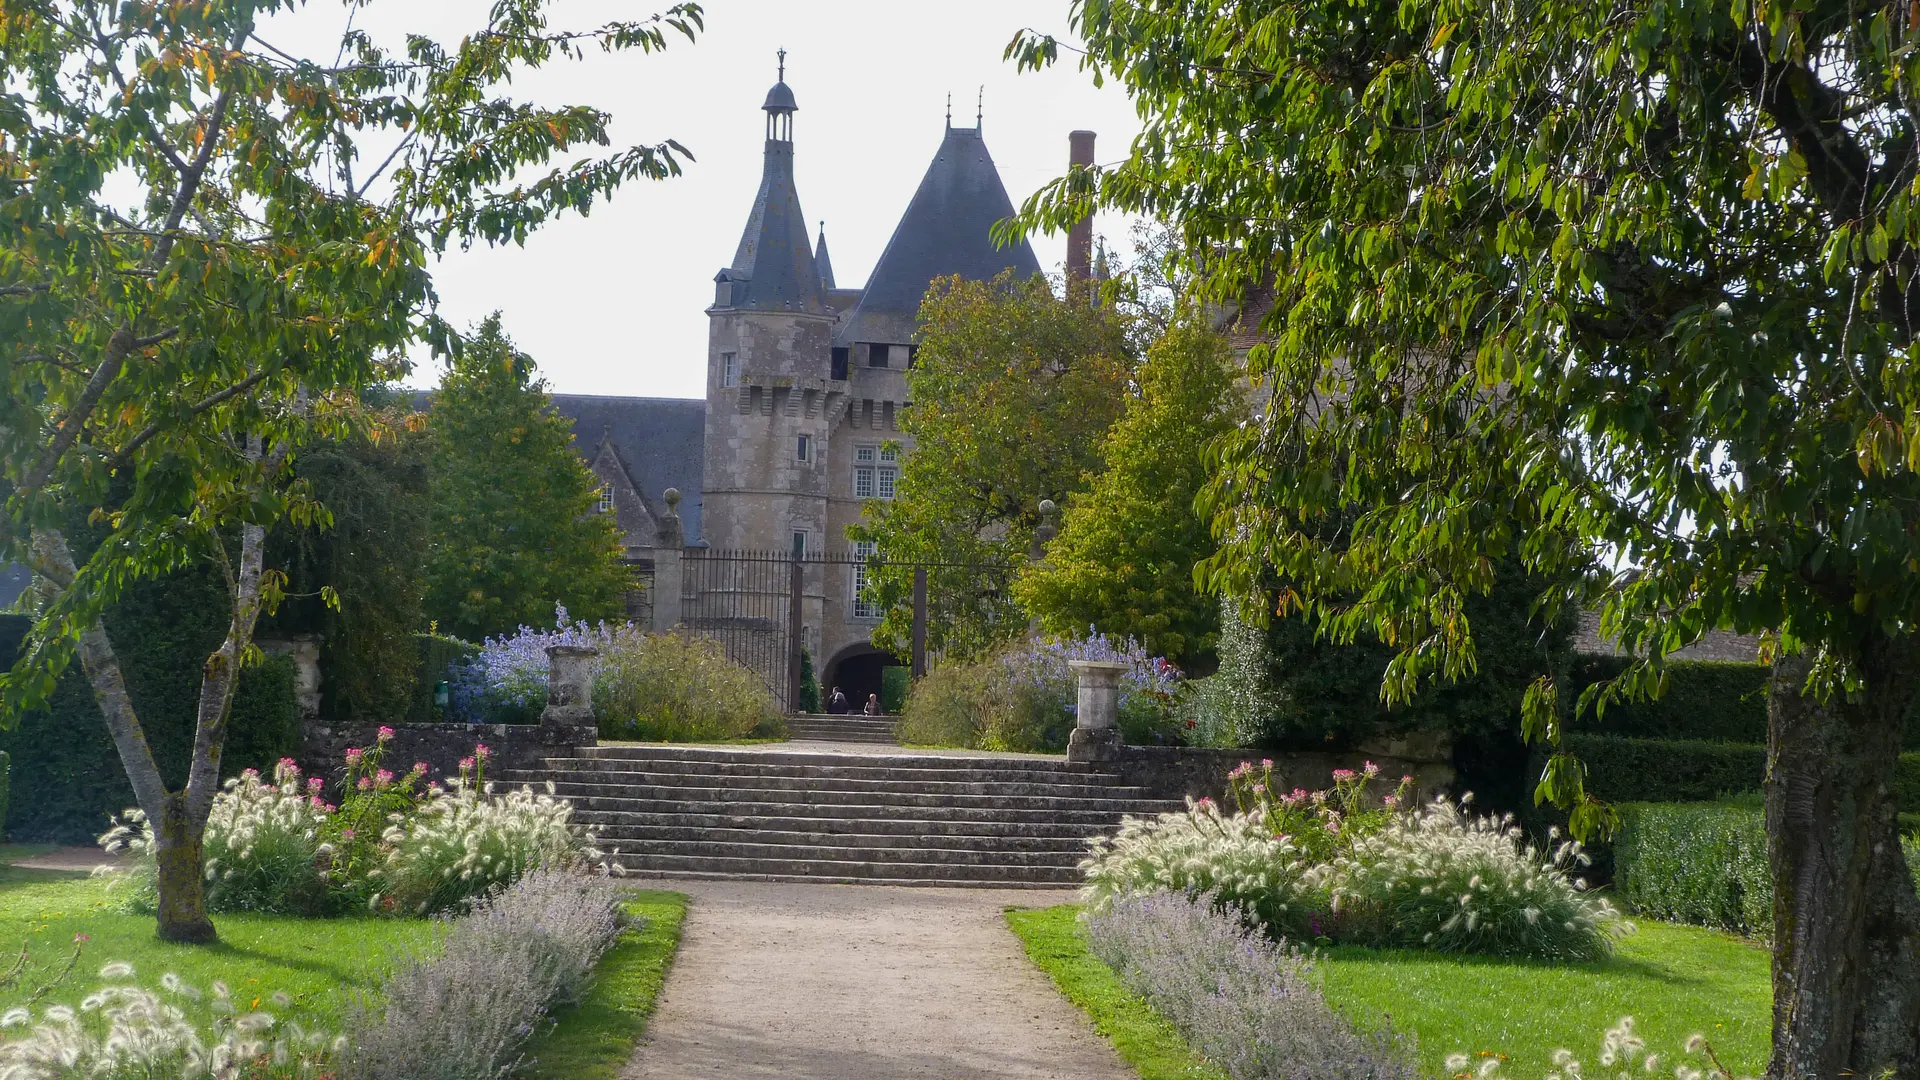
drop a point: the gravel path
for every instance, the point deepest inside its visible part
(852, 982)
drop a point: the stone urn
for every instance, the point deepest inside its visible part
(1096, 731)
(569, 686)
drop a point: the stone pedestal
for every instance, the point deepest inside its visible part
(569, 687)
(1096, 732)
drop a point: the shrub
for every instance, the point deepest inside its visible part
(809, 685)
(1231, 858)
(463, 1014)
(6, 783)
(679, 688)
(1704, 864)
(893, 689)
(505, 682)
(1626, 770)
(1024, 697)
(127, 1032)
(441, 659)
(1705, 700)
(1251, 1007)
(466, 842)
(1435, 878)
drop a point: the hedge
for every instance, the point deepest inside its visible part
(1622, 770)
(437, 654)
(1704, 864)
(1711, 700)
(5, 775)
(67, 777)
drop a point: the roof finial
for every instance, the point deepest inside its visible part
(949, 110)
(980, 107)
(783, 64)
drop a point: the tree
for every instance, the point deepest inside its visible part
(1624, 285)
(1012, 390)
(515, 523)
(197, 276)
(1129, 542)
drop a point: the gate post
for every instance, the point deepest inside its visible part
(794, 641)
(919, 657)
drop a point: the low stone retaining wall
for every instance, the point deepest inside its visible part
(1169, 772)
(323, 747)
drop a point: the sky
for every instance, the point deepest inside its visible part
(614, 303)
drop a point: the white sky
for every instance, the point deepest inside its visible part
(614, 303)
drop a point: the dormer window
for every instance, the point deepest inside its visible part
(606, 498)
(729, 369)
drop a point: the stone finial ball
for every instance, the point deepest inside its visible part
(1047, 508)
(672, 495)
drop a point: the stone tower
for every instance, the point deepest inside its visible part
(770, 397)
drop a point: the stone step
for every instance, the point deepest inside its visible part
(611, 822)
(1006, 789)
(852, 853)
(865, 738)
(714, 839)
(598, 810)
(1119, 801)
(657, 874)
(805, 868)
(763, 755)
(839, 766)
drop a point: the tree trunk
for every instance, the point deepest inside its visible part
(182, 909)
(1846, 950)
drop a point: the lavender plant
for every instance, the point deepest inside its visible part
(123, 1031)
(509, 673)
(1231, 858)
(464, 1013)
(1252, 1007)
(465, 841)
(1437, 878)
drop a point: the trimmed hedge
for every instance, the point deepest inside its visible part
(1709, 700)
(69, 778)
(5, 778)
(1623, 770)
(1704, 864)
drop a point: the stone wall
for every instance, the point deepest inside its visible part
(323, 747)
(1174, 772)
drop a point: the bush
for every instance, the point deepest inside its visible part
(6, 782)
(128, 1032)
(1232, 858)
(67, 775)
(809, 685)
(893, 689)
(463, 1014)
(679, 688)
(1706, 700)
(1437, 879)
(440, 659)
(467, 842)
(1025, 696)
(1624, 770)
(1703, 864)
(1249, 1006)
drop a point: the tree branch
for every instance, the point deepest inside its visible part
(125, 456)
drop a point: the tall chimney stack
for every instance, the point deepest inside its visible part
(1080, 236)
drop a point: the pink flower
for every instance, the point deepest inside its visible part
(1266, 763)
(1372, 769)
(82, 938)
(420, 768)
(383, 777)
(320, 804)
(353, 755)
(346, 834)
(250, 774)
(315, 783)
(386, 734)
(1342, 774)
(1407, 779)
(289, 763)
(1206, 802)
(366, 783)
(481, 752)
(466, 763)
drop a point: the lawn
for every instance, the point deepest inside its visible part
(593, 1040)
(1673, 980)
(321, 963)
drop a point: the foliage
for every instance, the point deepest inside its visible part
(1435, 878)
(1667, 770)
(67, 781)
(506, 680)
(1024, 696)
(1336, 866)
(1710, 700)
(1128, 544)
(809, 684)
(464, 1013)
(129, 1032)
(513, 528)
(1055, 942)
(1230, 858)
(1622, 1052)
(1702, 863)
(594, 1040)
(679, 688)
(369, 555)
(894, 687)
(6, 789)
(1236, 706)
(440, 659)
(1250, 1006)
(1012, 392)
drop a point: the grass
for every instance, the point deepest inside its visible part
(321, 963)
(1143, 1038)
(1673, 980)
(593, 1040)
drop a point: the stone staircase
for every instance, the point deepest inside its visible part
(825, 727)
(847, 814)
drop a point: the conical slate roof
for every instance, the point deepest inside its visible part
(775, 258)
(946, 230)
(822, 265)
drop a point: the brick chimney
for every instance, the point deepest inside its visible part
(1080, 236)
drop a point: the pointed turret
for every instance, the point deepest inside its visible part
(773, 269)
(822, 265)
(946, 230)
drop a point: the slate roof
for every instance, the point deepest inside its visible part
(661, 441)
(823, 265)
(944, 231)
(773, 268)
